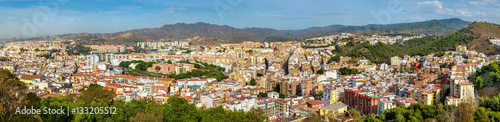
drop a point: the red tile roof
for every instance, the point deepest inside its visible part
(315, 102)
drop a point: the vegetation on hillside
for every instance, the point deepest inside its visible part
(204, 70)
(378, 53)
(417, 112)
(381, 53)
(487, 76)
(484, 31)
(348, 71)
(77, 50)
(399, 34)
(474, 36)
(434, 44)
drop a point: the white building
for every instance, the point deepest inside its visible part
(395, 61)
(92, 59)
(333, 93)
(242, 103)
(194, 83)
(331, 74)
(384, 104)
(234, 86)
(212, 101)
(103, 66)
(384, 66)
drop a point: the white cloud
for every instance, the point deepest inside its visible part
(121, 9)
(329, 13)
(130, 7)
(431, 4)
(173, 9)
(491, 3)
(112, 12)
(437, 7)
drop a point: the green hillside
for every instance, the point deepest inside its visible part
(381, 53)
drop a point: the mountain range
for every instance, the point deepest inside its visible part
(205, 33)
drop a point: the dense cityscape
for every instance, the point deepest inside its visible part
(281, 81)
(249, 61)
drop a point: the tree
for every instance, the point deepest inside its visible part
(353, 113)
(466, 111)
(255, 115)
(350, 44)
(335, 58)
(141, 66)
(382, 117)
(372, 118)
(157, 68)
(150, 114)
(262, 94)
(319, 93)
(277, 87)
(169, 62)
(12, 95)
(282, 96)
(321, 71)
(444, 65)
(348, 71)
(400, 118)
(96, 93)
(253, 82)
(178, 110)
(492, 53)
(11, 89)
(464, 56)
(314, 118)
(130, 111)
(266, 63)
(31, 100)
(220, 115)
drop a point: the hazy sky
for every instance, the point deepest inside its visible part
(28, 18)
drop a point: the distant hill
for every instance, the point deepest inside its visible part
(197, 33)
(485, 31)
(475, 36)
(312, 30)
(455, 23)
(204, 33)
(432, 27)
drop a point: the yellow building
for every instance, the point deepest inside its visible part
(426, 97)
(461, 49)
(29, 78)
(332, 110)
(8, 67)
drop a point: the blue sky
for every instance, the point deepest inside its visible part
(29, 18)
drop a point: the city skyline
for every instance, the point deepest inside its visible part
(249, 61)
(26, 18)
